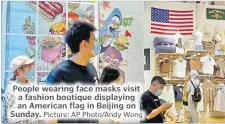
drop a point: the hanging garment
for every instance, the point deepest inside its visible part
(168, 96)
(179, 68)
(208, 64)
(220, 99)
(207, 114)
(200, 106)
(195, 64)
(178, 92)
(208, 91)
(185, 95)
(165, 66)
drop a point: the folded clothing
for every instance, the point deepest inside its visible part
(164, 40)
(165, 48)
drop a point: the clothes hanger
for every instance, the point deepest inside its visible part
(180, 58)
(163, 58)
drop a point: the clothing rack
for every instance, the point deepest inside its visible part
(183, 81)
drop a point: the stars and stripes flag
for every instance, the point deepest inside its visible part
(169, 22)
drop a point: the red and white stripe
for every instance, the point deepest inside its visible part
(179, 20)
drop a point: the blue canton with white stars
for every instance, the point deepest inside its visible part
(160, 15)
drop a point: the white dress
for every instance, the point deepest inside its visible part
(169, 97)
(200, 106)
(220, 99)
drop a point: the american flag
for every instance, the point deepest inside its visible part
(169, 22)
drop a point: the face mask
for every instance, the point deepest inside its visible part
(97, 49)
(158, 92)
(194, 76)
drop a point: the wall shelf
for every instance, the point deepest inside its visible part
(169, 55)
(199, 52)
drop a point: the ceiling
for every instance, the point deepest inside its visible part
(221, 3)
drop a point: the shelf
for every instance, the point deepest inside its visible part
(218, 79)
(218, 56)
(199, 52)
(181, 79)
(169, 55)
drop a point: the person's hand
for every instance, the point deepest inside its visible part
(166, 106)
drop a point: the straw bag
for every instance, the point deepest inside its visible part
(208, 45)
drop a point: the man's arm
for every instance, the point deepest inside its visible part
(158, 110)
(155, 112)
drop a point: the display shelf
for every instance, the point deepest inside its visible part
(218, 56)
(169, 55)
(199, 52)
(218, 79)
(175, 79)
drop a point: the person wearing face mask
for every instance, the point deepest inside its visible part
(150, 102)
(82, 42)
(192, 105)
(20, 66)
(83, 45)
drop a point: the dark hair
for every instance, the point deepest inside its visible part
(109, 74)
(158, 79)
(78, 32)
(13, 78)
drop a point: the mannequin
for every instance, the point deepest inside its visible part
(198, 40)
(192, 106)
(179, 48)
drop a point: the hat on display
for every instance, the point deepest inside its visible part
(20, 61)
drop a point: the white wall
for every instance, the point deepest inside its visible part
(148, 37)
(204, 21)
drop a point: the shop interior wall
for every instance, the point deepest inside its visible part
(133, 68)
(206, 21)
(148, 37)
